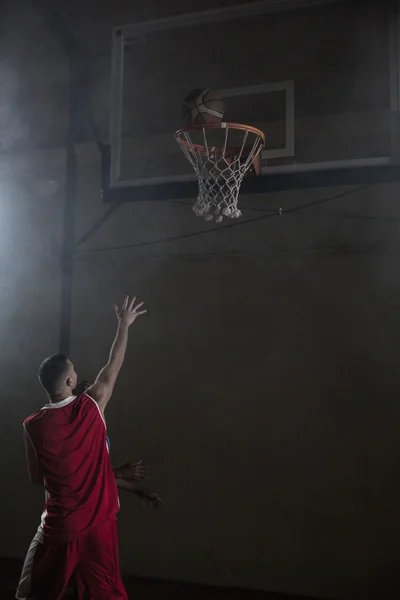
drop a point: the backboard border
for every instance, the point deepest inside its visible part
(126, 34)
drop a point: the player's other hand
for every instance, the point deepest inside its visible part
(132, 471)
(129, 312)
(153, 500)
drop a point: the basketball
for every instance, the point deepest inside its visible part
(203, 106)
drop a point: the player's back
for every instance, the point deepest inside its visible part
(69, 438)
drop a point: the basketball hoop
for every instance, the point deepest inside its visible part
(221, 154)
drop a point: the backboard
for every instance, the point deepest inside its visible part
(319, 78)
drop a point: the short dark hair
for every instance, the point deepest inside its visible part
(51, 372)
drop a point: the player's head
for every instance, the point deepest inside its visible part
(57, 375)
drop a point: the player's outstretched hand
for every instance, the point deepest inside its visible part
(128, 313)
(132, 471)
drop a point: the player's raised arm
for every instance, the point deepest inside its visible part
(103, 387)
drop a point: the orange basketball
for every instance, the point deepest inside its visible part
(203, 106)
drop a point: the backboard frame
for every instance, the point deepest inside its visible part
(127, 34)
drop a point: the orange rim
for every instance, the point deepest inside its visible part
(221, 125)
(230, 150)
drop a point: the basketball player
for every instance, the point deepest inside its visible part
(67, 453)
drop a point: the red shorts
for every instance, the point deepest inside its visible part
(92, 559)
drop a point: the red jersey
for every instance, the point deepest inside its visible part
(69, 438)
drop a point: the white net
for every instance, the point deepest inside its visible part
(225, 153)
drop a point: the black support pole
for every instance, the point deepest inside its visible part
(78, 115)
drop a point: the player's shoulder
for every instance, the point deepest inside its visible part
(87, 400)
(35, 416)
(31, 417)
(49, 410)
(35, 422)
